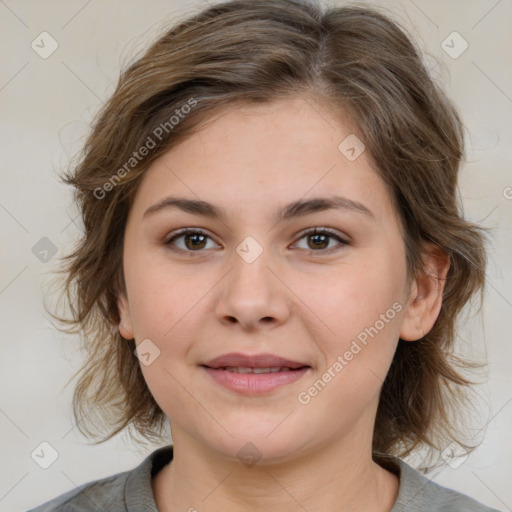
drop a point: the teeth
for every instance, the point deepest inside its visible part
(241, 369)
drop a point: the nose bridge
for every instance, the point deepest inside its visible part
(250, 276)
(251, 291)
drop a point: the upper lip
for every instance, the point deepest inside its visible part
(235, 359)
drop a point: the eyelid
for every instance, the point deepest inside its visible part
(342, 239)
(186, 231)
(334, 233)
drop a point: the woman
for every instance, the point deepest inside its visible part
(274, 260)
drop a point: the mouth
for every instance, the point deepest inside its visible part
(248, 369)
(254, 374)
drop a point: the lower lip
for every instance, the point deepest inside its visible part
(254, 383)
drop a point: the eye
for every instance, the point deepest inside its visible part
(320, 238)
(194, 240)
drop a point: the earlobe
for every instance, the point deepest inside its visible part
(125, 324)
(425, 300)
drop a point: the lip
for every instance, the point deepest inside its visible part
(252, 361)
(254, 383)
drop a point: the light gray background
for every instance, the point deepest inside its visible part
(46, 105)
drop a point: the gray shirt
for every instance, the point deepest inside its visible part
(131, 491)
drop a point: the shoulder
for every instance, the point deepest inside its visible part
(417, 493)
(123, 492)
(97, 495)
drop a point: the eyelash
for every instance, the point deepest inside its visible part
(311, 231)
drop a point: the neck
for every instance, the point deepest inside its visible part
(338, 476)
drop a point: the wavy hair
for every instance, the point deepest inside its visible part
(352, 59)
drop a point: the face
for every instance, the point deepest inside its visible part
(254, 281)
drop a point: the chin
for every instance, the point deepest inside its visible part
(256, 441)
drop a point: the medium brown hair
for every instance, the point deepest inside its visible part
(357, 62)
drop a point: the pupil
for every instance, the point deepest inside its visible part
(322, 237)
(194, 244)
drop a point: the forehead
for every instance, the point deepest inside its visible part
(253, 156)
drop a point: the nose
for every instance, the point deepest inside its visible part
(252, 295)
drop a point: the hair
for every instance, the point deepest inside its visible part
(354, 61)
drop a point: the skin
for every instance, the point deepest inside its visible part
(298, 300)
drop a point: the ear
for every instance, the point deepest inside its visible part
(426, 296)
(125, 324)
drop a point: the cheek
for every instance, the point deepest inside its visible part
(163, 298)
(170, 309)
(363, 309)
(357, 298)
(357, 357)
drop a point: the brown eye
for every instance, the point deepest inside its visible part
(318, 240)
(192, 241)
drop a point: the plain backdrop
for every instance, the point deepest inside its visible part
(47, 103)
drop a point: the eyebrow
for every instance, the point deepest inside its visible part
(295, 209)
